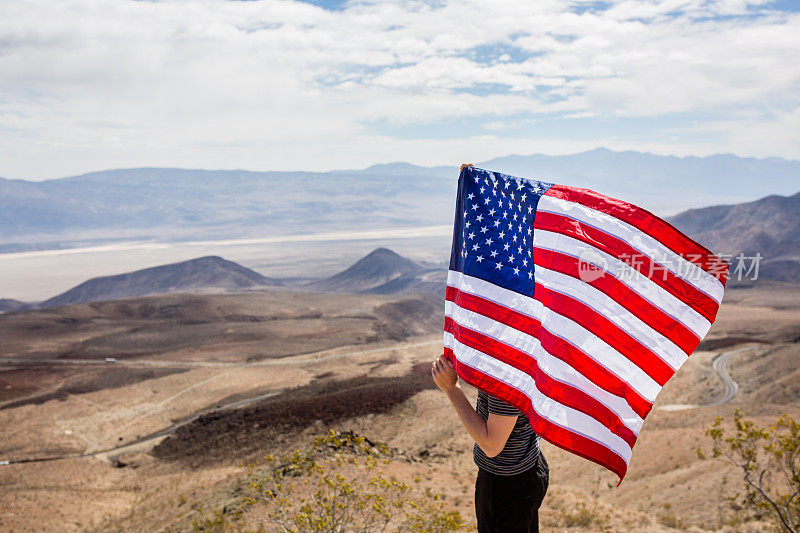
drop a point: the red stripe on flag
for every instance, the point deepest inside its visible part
(631, 300)
(557, 435)
(607, 331)
(555, 346)
(682, 290)
(560, 392)
(647, 222)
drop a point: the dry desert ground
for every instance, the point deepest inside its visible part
(204, 385)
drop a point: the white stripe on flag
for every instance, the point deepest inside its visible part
(641, 241)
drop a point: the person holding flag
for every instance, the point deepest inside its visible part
(571, 308)
(513, 474)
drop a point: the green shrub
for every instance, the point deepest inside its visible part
(216, 521)
(583, 517)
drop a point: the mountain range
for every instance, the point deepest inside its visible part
(768, 226)
(184, 204)
(193, 204)
(665, 185)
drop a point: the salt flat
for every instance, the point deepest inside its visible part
(38, 275)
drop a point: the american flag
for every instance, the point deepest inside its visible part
(573, 306)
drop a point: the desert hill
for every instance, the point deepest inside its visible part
(8, 305)
(383, 271)
(201, 273)
(251, 326)
(770, 226)
(426, 282)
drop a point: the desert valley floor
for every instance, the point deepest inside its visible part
(204, 384)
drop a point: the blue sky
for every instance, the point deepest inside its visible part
(323, 84)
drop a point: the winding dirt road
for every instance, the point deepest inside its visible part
(730, 387)
(719, 365)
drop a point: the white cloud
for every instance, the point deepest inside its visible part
(88, 84)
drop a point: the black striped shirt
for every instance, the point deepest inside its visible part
(522, 447)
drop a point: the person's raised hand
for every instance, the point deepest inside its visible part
(465, 165)
(443, 374)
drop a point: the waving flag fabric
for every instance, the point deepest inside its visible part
(574, 307)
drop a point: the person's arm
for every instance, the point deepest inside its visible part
(491, 435)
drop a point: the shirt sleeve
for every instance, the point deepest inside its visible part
(499, 407)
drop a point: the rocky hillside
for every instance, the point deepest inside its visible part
(770, 226)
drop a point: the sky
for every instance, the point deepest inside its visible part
(318, 85)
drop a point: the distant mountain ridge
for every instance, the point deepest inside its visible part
(185, 204)
(770, 226)
(382, 271)
(662, 184)
(201, 273)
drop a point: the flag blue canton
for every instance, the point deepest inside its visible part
(493, 233)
